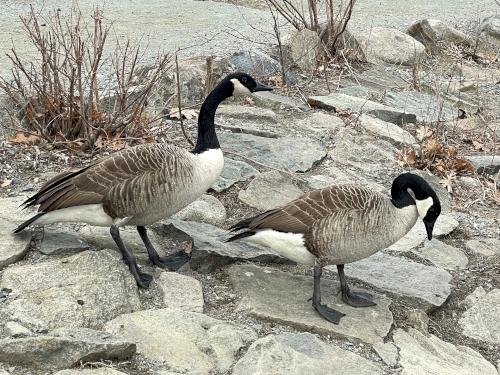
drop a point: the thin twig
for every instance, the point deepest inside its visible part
(188, 138)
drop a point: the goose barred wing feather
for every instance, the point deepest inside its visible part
(123, 182)
(300, 215)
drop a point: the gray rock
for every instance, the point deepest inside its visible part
(11, 210)
(281, 297)
(491, 26)
(209, 249)
(87, 371)
(489, 164)
(430, 286)
(185, 342)
(298, 354)
(84, 290)
(207, 209)
(255, 63)
(234, 171)
(288, 153)
(270, 189)
(427, 107)
(473, 298)
(274, 101)
(484, 246)
(386, 130)
(3, 372)
(320, 122)
(381, 44)
(306, 49)
(13, 247)
(14, 329)
(480, 321)
(417, 319)
(54, 243)
(443, 255)
(421, 354)
(65, 348)
(246, 113)
(181, 292)
(445, 224)
(336, 101)
(388, 352)
(431, 32)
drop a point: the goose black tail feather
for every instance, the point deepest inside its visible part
(239, 236)
(28, 222)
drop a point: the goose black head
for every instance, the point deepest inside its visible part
(425, 198)
(243, 84)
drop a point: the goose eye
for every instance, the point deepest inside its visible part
(244, 79)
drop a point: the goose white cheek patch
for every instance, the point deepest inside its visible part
(239, 88)
(423, 206)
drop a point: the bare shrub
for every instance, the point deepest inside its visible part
(60, 95)
(327, 17)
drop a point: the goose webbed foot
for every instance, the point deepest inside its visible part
(172, 262)
(333, 316)
(357, 299)
(143, 280)
(353, 299)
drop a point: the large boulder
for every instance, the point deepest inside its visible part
(207, 209)
(491, 26)
(391, 46)
(430, 32)
(480, 321)
(84, 290)
(306, 49)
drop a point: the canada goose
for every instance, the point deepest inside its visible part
(342, 224)
(143, 184)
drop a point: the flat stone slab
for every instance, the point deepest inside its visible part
(281, 297)
(484, 246)
(286, 153)
(246, 113)
(183, 341)
(209, 249)
(84, 290)
(65, 348)
(13, 247)
(275, 101)
(268, 190)
(421, 354)
(54, 243)
(481, 321)
(206, 209)
(443, 255)
(233, 172)
(428, 108)
(445, 224)
(336, 101)
(299, 354)
(181, 292)
(489, 164)
(430, 286)
(386, 130)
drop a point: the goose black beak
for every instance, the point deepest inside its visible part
(261, 87)
(429, 226)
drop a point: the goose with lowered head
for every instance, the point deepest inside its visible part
(342, 224)
(142, 184)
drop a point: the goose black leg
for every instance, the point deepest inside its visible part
(171, 262)
(351, 298)
(142, 279)
(326, 312)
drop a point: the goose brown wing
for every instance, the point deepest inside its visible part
(120, 182)
(299, 215)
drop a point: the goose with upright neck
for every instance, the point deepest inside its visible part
(142, 184)
(342, 224)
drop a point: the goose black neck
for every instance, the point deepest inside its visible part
(399, 190)
(207, 139)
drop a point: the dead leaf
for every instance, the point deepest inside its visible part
(423, 132)
(249, 101)
(187, 114)
(447, 182)
(5, 183)
(433, 148)
(31, 139)
(462, 165)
